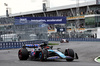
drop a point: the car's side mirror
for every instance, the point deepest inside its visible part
(51, 47)
(58, 49)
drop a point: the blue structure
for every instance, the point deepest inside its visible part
(75, 39)
(13, 45)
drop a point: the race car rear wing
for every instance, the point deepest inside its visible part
(31, 46)
(34, 45)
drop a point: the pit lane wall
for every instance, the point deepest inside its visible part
(13, 45)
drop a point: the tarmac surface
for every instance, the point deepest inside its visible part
(86, 51)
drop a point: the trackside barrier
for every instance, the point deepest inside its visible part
(74, 39)
(10, 45)
(13, 45)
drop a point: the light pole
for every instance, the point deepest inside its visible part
(7, 15)
(6, 9)
(77, 14)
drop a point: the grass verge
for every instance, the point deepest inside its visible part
(53, 43)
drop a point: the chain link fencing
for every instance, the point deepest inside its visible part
(9, 31)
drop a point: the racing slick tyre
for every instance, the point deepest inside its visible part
(43, 55)
(67, 41)
(69, 52)
(61, 41)
(23, 54)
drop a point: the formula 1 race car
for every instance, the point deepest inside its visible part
(64, 41)
(44, 52)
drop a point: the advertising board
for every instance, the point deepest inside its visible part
(47, 20)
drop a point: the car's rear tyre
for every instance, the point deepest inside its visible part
(43, 55)
(69, 52)
(23, 54)
(67, 41)
(61, 41)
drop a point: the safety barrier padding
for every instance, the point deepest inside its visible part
(74, 39)
(13, 45)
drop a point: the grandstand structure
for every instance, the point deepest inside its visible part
(89, 22)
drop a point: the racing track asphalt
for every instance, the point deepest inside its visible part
(87, 51)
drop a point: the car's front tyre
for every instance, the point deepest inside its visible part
(69, 52)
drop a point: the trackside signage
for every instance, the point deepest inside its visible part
(47, 20)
